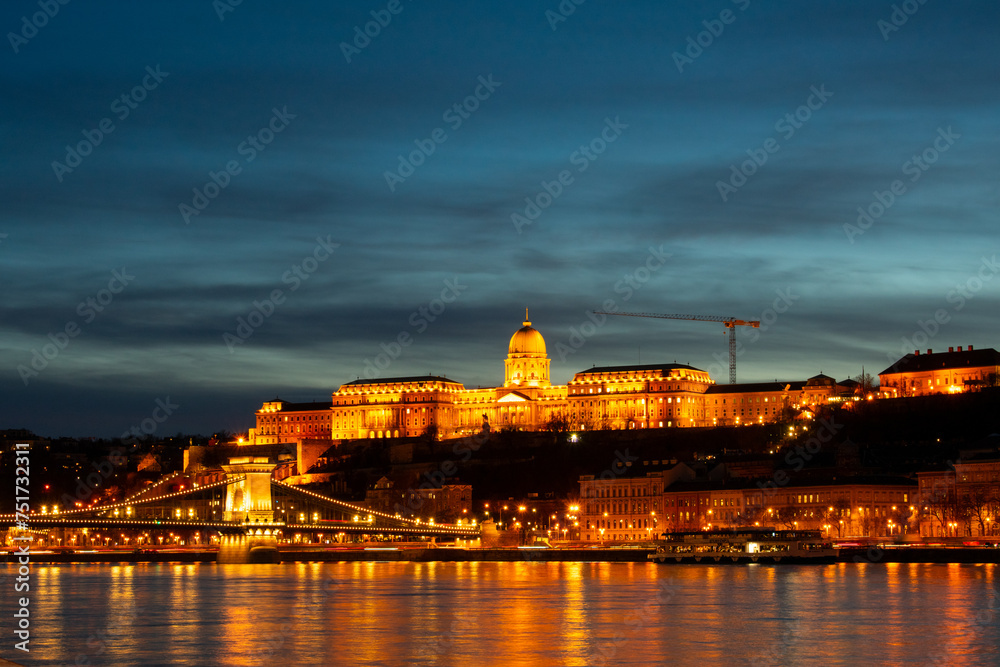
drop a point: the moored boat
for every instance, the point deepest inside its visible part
(757, 545)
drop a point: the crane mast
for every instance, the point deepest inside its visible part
(729, 322)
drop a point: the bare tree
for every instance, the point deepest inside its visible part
(557, 423)
(899, 519)
(784, 516)
(836, 513)
(993, 513)
(751, 516)
(867, 384)
(976, 503)
(942, 505)
(866, 521)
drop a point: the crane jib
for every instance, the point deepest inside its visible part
(729, 322)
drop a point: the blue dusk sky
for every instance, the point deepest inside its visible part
(215, 205)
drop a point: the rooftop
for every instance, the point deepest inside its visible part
(916, 363)
(402, 380)
(302, 407)
(756, 386)
(664, 368)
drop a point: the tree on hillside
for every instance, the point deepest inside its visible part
(557, 423)
(867, 384)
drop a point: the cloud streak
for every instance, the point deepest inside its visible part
(323, 176)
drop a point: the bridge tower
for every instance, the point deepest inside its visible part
(249, 500)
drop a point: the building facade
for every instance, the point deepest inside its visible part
(963, 501)
(447, 503)
(606, 397)
(279, 422)
(637, 508)
(951, 372)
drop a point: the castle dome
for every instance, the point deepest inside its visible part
(527, 340)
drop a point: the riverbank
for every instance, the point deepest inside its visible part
(873, 554)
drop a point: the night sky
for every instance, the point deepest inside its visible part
(167, 165)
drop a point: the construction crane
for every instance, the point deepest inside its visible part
(729, 322)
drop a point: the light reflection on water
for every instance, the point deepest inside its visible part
(522, 613)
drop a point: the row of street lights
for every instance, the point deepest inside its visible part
(523, 522)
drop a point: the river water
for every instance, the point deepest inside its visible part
(523, 613)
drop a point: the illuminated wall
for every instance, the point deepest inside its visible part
(609, 397)
(763, 402)
(951, 372)
(250, 497)
(393, 407)
(280, 421)
(639, 508)
(624, 397)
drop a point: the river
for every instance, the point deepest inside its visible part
(522, 613)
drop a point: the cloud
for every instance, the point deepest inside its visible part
(323, 176)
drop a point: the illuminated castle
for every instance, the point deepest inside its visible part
(608, 397)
